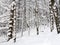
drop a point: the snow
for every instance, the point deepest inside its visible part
(9, 33)
(4, 17)
(5, 6)
(3, 28)
(45, 37)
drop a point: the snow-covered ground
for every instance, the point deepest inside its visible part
(45, 37)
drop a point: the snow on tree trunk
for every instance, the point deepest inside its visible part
(20, 10)
(36, 17)
(55, 9)
(51, 15)
(28, 24)
(24, 17)
(11, 31)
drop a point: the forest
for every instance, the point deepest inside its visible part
(28, 17)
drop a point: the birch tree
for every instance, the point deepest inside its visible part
(51, 15)
(55, 9)
(20, 17)
(36, 17)
(11, 31)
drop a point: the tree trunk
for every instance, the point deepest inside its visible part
(11, 31)
(51, 15)
(36, 17)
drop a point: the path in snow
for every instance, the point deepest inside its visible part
(44, 38)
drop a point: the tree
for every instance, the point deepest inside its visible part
(36, 17)
(11, 31)
(24, 17)
(56, 16)
(51, 15)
